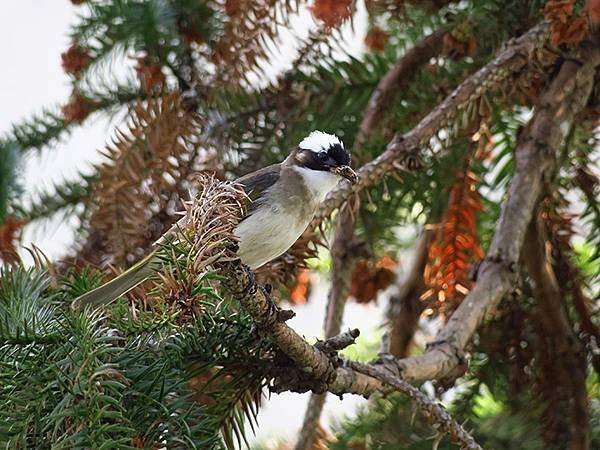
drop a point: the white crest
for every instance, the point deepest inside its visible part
(318, 141)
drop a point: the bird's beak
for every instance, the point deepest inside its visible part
(346, 172)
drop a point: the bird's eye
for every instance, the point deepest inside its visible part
(323, 156)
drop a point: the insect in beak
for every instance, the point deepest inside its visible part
(346, 172)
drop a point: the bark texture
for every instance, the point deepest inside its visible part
(562, 362)
(406, 305)
(536, 151)
(404, 151)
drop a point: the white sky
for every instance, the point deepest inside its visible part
(34, 34)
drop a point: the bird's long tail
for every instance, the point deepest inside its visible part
(120, 285)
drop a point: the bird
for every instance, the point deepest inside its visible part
(284, 198)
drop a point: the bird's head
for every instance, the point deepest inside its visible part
(325, 153)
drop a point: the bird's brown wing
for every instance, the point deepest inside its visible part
(256, 183)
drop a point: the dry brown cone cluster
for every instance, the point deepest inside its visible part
(455, 246)
(10, 236)
(249, 26)
(78, 108)
(567, 27)
(332, 12)
(206, 231)
(75, 60)
(371, 277)
(140, 187)
(376, 39)
(150, 74)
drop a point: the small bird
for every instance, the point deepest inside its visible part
(284, 199)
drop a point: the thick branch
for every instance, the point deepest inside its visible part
(564, 384)
(432, 410)
(535, 151)
(399, 76)
(318, 363)
(270, 321)
(406, 305)
(404, 149)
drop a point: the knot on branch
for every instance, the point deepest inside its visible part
(292, 376)
(294, 380)
(339, 342)
(409, 160)
(241, 283)
(500, 258)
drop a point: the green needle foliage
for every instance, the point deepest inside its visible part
(114, 380)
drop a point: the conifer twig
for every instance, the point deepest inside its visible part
(433, 411)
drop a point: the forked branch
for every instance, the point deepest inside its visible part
(402, 151)
(535, 156)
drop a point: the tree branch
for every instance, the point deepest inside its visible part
(270, 320)
(402, 151)
(563, 385)
(433, 411)
(406, 305)
(319, 363)
(565, 97)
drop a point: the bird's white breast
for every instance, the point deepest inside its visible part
(282, 216)
(266, 234)
(318, 182)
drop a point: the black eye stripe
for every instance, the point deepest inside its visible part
(323, 160)
(339, 155)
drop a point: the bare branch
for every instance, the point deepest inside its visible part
(434, 412)
(406, 305)
(403, 150)
(535, 151)
(563, 385)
